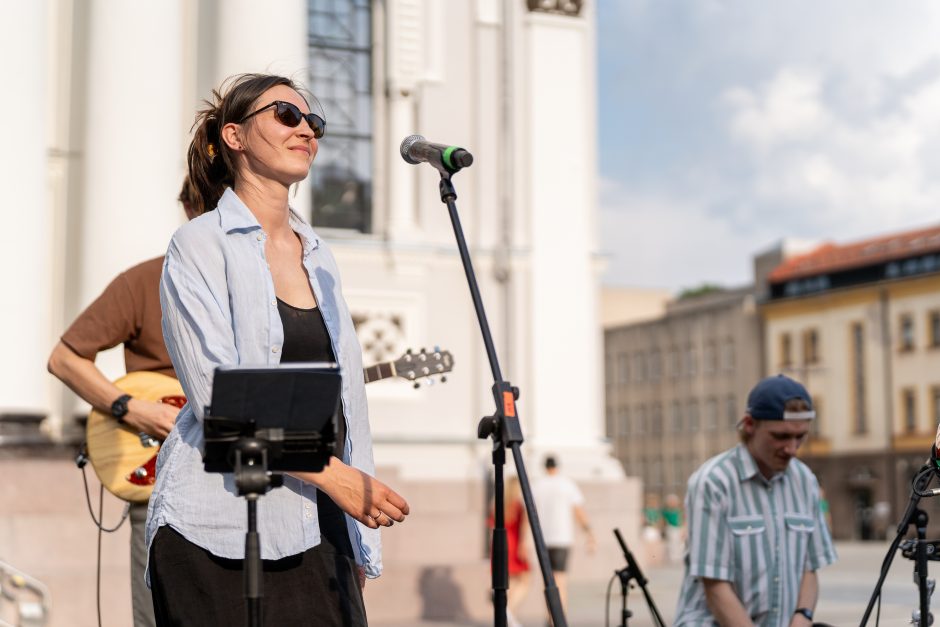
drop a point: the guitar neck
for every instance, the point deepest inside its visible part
(378, 372)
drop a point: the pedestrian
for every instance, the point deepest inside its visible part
(560, 504)
(675, 536)
(516, 523)
(757, 534)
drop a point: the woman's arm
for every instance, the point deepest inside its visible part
(360, 495)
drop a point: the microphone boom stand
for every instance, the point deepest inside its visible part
(505, 430)
(917, 517)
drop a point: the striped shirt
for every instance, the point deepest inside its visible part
(761, 535)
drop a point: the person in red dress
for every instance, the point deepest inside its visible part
(516, 546)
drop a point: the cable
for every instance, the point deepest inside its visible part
(101, 530)
(610, 585)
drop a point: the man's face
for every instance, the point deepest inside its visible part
(773, 443)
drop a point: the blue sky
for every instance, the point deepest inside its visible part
(727, 125)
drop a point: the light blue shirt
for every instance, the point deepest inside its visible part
(219, 308)
(761, 535)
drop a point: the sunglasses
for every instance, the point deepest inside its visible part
(289, 115)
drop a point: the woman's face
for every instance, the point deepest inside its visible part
(273, 149)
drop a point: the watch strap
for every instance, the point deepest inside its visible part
(119, 407)
(805, 611)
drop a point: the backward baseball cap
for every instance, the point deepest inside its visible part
(768, 399)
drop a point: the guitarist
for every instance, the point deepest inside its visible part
(127, 312)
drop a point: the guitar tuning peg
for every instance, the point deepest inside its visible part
(423, 350)
(443, 378)
(417, 384)
(430, 382)
(408, 352)
(437, 348)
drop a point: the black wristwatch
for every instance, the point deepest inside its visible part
(805, 611)
(119, 407)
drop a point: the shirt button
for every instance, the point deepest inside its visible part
(274, 303)
(274, 349)
(260, 237)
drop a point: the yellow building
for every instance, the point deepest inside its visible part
(859, 324)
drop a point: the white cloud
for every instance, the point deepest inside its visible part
(737, 124)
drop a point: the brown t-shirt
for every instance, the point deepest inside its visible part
(127, 311)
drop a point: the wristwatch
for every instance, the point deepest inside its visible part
(805, 611)
(119, 407)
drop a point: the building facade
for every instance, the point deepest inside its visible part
(102, 160)
(677, 385)
(859, 324)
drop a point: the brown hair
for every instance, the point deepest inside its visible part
(211, 163)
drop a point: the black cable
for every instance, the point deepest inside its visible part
(610, 584)
(101, 531)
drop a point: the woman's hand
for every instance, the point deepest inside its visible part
(362, 496)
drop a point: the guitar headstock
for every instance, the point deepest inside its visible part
(414, 366)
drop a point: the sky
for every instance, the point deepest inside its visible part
(726, 126)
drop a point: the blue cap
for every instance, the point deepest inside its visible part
(769, 397)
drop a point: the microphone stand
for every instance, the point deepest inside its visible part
(632, 572)
(917, 517)
(505, 430)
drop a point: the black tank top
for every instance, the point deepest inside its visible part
(307, 339)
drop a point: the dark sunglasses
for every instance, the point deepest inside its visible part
(289, 115)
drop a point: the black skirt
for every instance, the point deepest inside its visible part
(193, 587)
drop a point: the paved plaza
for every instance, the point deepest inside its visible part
(845, 589)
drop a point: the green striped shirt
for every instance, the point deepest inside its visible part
(759, 534)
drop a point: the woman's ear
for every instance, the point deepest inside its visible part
(231, 135)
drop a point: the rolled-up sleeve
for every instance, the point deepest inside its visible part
(197, 326)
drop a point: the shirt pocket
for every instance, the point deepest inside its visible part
(799, 523)
(746, 525)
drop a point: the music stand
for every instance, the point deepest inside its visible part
(264, 420)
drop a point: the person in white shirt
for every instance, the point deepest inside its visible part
(560, 505)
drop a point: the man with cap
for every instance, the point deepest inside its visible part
(756, 532)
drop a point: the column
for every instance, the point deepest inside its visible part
(25, 246)
(135, 140)
(567, 394)
(265, 37)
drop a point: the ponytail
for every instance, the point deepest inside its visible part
(211, 162)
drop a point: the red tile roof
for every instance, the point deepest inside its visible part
(832, 257)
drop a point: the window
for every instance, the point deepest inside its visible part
(641, 425)
(906, 332)
(656, 365)
(623, 368)
(656, 419)
(857, 364)
(693, 415)
(933, 326)
(609, 425)
(909, 410)
(731, 411)
(727, 355)
(810, 347)
(676, 417)
(710, 361)
(640, 372)
(340, 55)
(624, 421)
(691, 361)
(673, 363)
(786, 357)
(711, 414)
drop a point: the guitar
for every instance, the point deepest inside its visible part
(126, 461)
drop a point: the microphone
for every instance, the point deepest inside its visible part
(447, 159)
